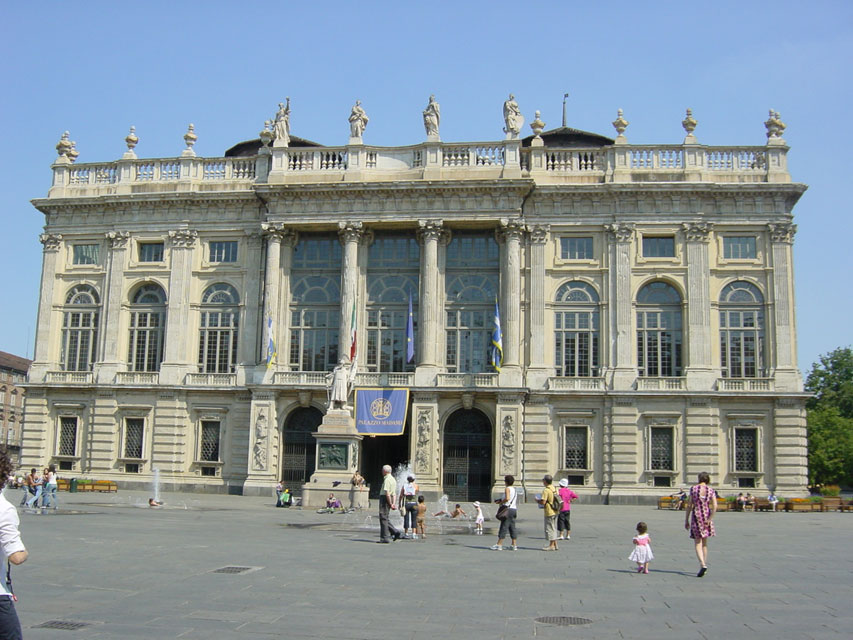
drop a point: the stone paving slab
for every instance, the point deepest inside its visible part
(135, 572)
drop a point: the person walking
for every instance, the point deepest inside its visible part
(564, 525)
(699, 518)
(409, 502)
(510, 501)
(50, 486)
(642, 553)
(387, 503)
(37, 484)
(551, 512)
(14, 552)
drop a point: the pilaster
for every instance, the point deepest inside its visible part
(699, 371)
(701, 440)
(431, 309)
(622, 360)
(264, 418)
(176, 362)
(424, 444)
(42, 361)
(787, 376)
(108, 348)
(536, 433)
(509, 415)
(253, 326)
(626, 447)
(537, 372)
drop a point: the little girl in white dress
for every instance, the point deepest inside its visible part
(642, 553)
(478, 523)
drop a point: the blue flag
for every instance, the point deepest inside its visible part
(271, 348)
(410, 333)
(496, 353)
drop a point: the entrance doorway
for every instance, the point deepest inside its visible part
(299, 448)
(382, 450)
(467, 462)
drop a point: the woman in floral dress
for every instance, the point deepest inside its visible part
(699, 518)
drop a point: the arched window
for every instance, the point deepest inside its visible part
(80, 328)
(659, 339)
(147, 328)
(576, 330)
(393, 263)
(742, 331)
(219, 329)
(315, 303)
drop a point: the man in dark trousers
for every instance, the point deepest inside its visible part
(387, 503)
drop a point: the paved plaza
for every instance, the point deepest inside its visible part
(128, 571)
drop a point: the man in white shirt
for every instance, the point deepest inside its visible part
(14, 552)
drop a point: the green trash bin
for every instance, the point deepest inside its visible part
(72, 487)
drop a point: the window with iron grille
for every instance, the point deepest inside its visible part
(210, 440)
(661, 450)
(224, 251)
(746, 449)
(68, 436)
(134, 429)
(576, 448)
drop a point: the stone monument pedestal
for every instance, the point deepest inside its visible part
(337, 460)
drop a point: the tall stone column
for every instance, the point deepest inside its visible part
(350, 234)
(699, 369)
(621, 362)
(787, 376)
(108, 348)
(430, 308)
(273, 234)
(42, 362)
(178, 359)
(252, 330)
(537, 372)
(509, 235)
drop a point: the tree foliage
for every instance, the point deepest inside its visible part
(830, 418)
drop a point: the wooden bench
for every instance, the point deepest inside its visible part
(831, 503)
(763, 504)
(105, 486)
(666, 502)
(806, 505)
(846, 505)
(62, 484)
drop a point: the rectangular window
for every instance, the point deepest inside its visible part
(658, 247)
(662, 452)
(151, 252)
(86, 254)
(739, 248)
(209, 441)
(576, 248)
(134, 429)
(225, 251)
(746, 449)
(68, 436)
(576, 448)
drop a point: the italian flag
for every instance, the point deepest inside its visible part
(352, 335)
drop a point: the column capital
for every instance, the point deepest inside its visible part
(697, 231)
(117, 239)
(538, 233)
(51, 241)
(430, 230)
(510, 229)
(621, 232)
(183, 238)
(782, 232)
(278, 231)
(350, 231)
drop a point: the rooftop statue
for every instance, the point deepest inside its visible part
(512, 118)
(281, 128)
(357, 120)
(432, 118)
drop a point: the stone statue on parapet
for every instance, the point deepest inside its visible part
(357, 120)
(432, 118)
(339, 384)
(281, 128)
(513, 119)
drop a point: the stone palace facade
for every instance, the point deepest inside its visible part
(646, 297)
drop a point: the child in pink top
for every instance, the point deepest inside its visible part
(563, 522)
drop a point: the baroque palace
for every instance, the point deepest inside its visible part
(645, 297)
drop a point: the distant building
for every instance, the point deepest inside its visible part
(13, 372)
(646, 297)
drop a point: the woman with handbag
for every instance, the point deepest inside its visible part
(506, 514)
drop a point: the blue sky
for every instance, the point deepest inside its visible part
(96, 68)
